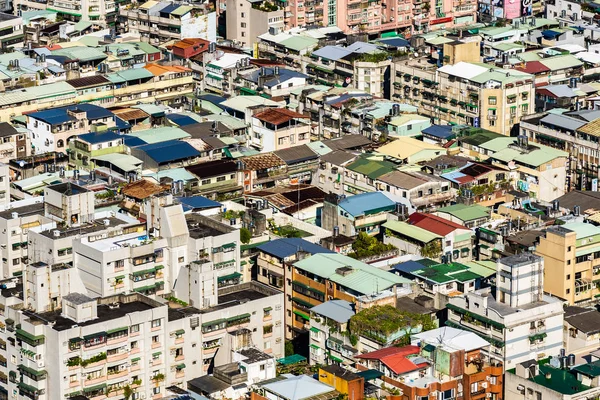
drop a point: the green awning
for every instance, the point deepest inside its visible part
(158, 353)
(248, 91)
(314, 346)
(429, 348)
(427, 81)
(159, 267)
(442, 98)
(74, 340)
(228, 277)
(293, 359)
(389, 34)
(31, 371)
(94, 335)
(300, 284)
(472, 105)
(215, 322)
(144, 272)
(144, 288)
(453, 101)
(302, 315)
(492, 108)
(180, 366)
(217, 78)
(317, 290)
(64, 12)
(315, 330)
(120, 277)
(461, 103)
(123, 329)
(511, 96)
(302, 302)
(334, 358)
(370, 374)
(335, 340)
(29, 336)
(180, 331)
(95, 388)
(27, 388)
(461, 115)
(135, 359)
(229, 245)
(267, 309)
(442, 109)
(238, 317)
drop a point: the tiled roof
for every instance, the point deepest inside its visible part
(395, 358)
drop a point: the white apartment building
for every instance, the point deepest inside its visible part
(518, 320)
(56, 341)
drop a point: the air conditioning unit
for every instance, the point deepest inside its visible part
(484, 385)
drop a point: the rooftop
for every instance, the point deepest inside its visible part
(586, 320)
(68, 189)
(300, 388)
(453, 338)
(283, 248)
(367, 204)
(466, 213)
(362, 278)
(338, 310)
(439, 273)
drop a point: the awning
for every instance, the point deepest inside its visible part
(215, 322)
(238, 317)
(228, 277)
(217, 78)
(245, 90)
(336, 359)
(315, 330)
(267, 309)
(302, 302)
(180, 332)
(29, 336)
(32, 371)
(158, 353)
(94, 335)
(302, 315)
(314, 346)
(229, 245)
(95, 388)
(180, 366)
(135, 359)
(370, 374)
(123, 329)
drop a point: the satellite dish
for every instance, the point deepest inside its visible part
(416, 54)
(554, 362)
(21, 164)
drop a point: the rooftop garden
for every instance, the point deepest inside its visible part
(367, 246)
(382, 323)
(265, 6)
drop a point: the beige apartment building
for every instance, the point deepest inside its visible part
(465, 93)
(571, 261)
(248, 19)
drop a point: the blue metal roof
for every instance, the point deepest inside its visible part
(212, 98)
(99, 137)
(550, 34)
(197, 202)
(181, 120)
(272, 80)
(169, 151)
(361, 204)
(133, 141)
(56, 116)
(282, 248)
(396, 42)
(408, 267)
(121, 124)
(170, 8)
(439, 131)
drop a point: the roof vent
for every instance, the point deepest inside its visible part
(344, 271)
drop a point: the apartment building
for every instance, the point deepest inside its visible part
(573, 132)
(535, 378)
(16, 142)
(518, 319)
(274, 266)
(52, 129)
(278, 129)
(152, 83)
(325, 276)
(464, 93)
(11, 31)
(160, 22)
(329, 324)
(85, 149)
(248, 19)
(422, 190)
(365, 212)
(570, 253)
(536, 169)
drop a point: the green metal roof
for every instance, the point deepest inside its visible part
(293, 359)
(540, 156)
(129, 75)
(299, 43)
(181, 11)
(411, 231)
(229, 276)
(561, 380)
(303, 315)
(561, 62)
(364, 279)
(465, 212)
(371, 168)
(589, 369)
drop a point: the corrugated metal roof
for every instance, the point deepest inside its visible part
(157, 135)
(299, 43)
(130, 75)
(411, 231)
(337, 310)
(364, 203)
(283, 248)
(125, 162)
(99, 137)
(170, 151)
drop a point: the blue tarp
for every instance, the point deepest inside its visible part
(181, 120)
(550, 34)
(169, 151)
(439, 131)
(282, 248)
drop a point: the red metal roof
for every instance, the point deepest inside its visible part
(533, 67)
(434, 224)
(395, 358)
(278, 116)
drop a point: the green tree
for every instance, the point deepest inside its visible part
(289, 348)
(367, 246)
(127, 392)
(432, 249)
(245, 235)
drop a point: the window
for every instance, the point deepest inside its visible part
(181, 259)
(243, 34)
(134, 328)
(243, 15)
(16, 261)
(155, 323)
(492, 101)
(569, 248)
(569, 277)
(243, 25)
(221, 179)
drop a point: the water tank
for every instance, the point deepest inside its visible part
(76, 174)
(556, 205)
(336, 231)
(571, 360)
(562, 353)
(576, 211)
